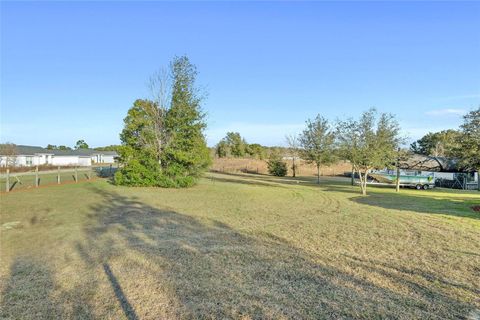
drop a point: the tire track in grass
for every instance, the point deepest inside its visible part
(327, 205)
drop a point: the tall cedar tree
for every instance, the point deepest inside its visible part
(186, 156)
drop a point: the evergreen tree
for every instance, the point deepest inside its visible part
(276, 166)
(186, 156)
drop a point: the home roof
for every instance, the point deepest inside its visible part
(31, 150)
(428, 163)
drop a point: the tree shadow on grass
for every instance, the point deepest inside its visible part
(245, 181)
(424, 203)
(209, 270)
(29, 283)
(272, 181)
(29, 293)
(122, 299)
(401, 274)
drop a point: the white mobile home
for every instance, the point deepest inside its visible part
(35, 156)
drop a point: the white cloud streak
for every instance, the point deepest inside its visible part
(446, 112)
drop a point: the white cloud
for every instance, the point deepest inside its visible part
(446, 112)
(464, 96)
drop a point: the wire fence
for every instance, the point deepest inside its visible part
(16, 181)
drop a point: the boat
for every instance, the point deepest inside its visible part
(417, 181)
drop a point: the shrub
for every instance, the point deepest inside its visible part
(276, 166)
(138, 173)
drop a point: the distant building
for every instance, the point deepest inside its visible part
(32, 156)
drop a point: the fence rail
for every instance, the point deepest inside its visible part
(10, 181)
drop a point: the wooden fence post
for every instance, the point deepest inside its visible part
(7, 185)
(76, 174)
(58, 175)
(36, 177)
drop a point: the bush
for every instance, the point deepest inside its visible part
(276, 166)
(137, 173)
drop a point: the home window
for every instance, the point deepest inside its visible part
(29, 161)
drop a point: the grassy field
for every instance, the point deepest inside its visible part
(239, 246)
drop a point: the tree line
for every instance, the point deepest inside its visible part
(372, 141)
(233, 145)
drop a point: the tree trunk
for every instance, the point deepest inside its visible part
(397, 182)
(478, 179)
(318, 173)
(293, 167)
(353, 175)
(363, 181)
(366, 179)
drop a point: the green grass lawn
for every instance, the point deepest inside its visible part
(239, 246)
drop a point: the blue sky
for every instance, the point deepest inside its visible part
(71, 70)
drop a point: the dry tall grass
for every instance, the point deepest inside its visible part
(246, 165)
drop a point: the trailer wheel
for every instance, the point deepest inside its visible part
(425, 187)
(418, 187)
